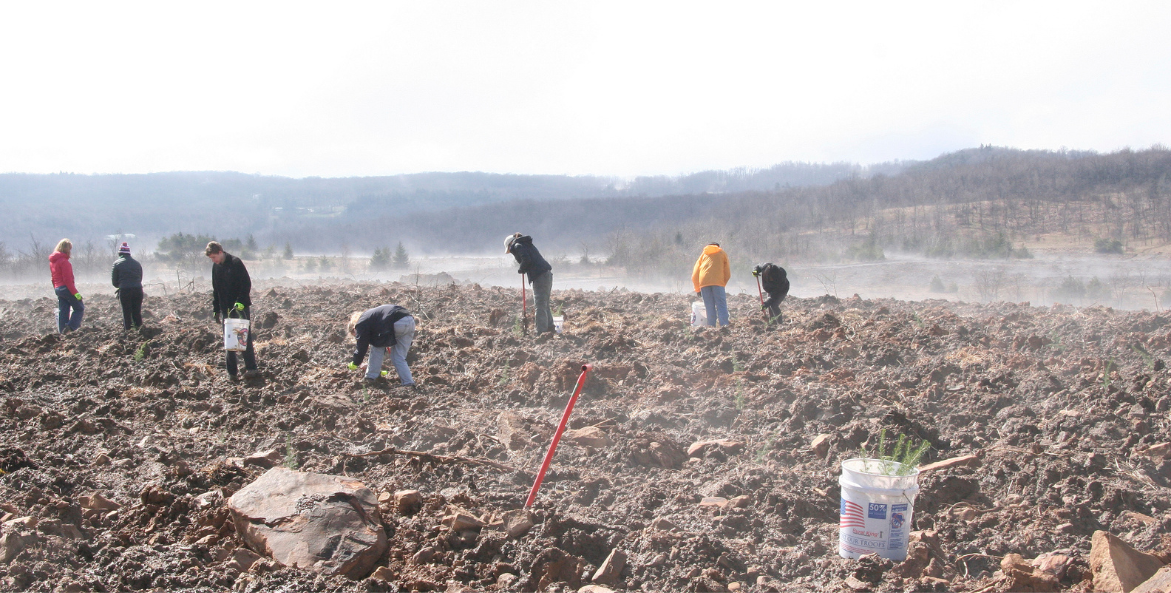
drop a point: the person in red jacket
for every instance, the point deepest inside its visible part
(67, 295)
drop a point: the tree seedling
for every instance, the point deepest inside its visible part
(900, 462)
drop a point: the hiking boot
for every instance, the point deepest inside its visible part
(233, 378)
(252, 375)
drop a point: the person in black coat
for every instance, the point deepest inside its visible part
(540, 276)
(230, 288)
(389, 328)
(775, 282)
(126, 276)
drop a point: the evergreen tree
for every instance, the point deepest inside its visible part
(288, 251)
(381, 259)
(401, 259)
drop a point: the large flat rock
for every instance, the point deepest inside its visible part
(328, 524)
(1117, 567)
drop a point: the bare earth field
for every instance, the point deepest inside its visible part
(120, 448)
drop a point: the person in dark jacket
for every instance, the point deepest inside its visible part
(230, 288)
(127, 279)
(775, 282)
(386, 328)
(540, 276)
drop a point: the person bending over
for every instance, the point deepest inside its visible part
(540, 276)
(386, 328)
(710, 276)
(775, 282)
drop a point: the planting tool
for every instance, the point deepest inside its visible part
(524, 307)
(585, 369)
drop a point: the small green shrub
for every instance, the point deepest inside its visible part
(1105, 245)
(290, 456)
(937, 284)
(1070, 288)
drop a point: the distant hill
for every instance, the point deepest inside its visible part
(227, 204)
(987, 202)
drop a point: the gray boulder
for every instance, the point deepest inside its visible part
(327, 524)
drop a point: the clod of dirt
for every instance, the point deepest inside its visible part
(517, 522)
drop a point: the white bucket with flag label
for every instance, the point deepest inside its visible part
(875, 512)
(236, 334)
(698, 314)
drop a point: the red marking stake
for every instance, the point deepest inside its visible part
(585, 369)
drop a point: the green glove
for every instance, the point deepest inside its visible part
(77, 296)
(384, 373)
(239, 306)
(352, 366)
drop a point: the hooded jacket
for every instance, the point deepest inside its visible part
(62, 271)
(775, 282)
(529, 258)
(711, 269)
(376, 328)
(230, 284)
(126, 273)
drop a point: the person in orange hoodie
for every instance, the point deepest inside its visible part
(709, 278)
(67, 296)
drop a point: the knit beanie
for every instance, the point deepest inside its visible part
(124, 249)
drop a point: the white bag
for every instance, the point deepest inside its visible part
(236, 334)
(698, 314)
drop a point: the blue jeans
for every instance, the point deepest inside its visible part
(65, 302)
(404, 334)
(715, 301)
(542, 288)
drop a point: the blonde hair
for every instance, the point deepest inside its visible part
(353, 322)
(64, 246)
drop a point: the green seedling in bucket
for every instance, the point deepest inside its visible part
(900, 462)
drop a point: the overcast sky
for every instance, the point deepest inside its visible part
(624, 88)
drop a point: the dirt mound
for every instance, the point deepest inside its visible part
(119, 449)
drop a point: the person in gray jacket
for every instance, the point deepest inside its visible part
(127, 279)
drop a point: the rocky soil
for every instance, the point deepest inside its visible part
(693, 455)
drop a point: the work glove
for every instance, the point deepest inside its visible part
(352, 366)
(698, 293)
(77, 296)
(239, 306)
(383, 373)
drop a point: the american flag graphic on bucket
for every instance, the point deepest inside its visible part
(851, 515)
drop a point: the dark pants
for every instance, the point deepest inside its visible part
(131, 299)
(773, 307)
(249, 353)
(65, 302)
(774, 313)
